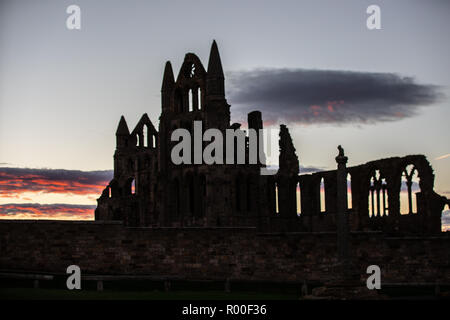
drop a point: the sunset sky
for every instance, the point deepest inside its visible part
(312, 65)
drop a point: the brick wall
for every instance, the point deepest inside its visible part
(214, 253)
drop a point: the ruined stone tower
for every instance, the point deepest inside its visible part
(149, 190)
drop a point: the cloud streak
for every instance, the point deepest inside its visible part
(327, 96)
(310, 169)
(443, 157)
(14, 181)
(57, 211)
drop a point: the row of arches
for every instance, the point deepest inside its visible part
(189, 99)
(379, 192)
(377, 201)
(277, 200)
(189, 94)
(114, 190)
(145, 134)
(378, 195)
(320, 192)
(145, 138)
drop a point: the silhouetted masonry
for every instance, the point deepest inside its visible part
(228, 222)
(149, 190)
(107, 247)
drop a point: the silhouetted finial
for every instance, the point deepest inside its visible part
(122, 129)
(215, 65)
(215, 81)
(168, 78)
(341, 159)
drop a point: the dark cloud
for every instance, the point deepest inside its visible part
(14, 181)
(446, 220)
(47, 211)
(327, 96)
(310, 169)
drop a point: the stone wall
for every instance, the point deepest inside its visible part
(215, 253)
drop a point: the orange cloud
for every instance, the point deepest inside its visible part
(47, 211)
(14, 181)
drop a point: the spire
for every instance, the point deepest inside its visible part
(168, 79)
(122, 129)
(215, 65)
(215, 86)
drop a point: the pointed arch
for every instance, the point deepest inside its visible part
(199, 98)
(377, 194)
(192, 69)
(277, 204)
(145, 133)
(349, 192)
(371, 199)
(191, 100)
(322, 203)
(410, 186)
(191, 78)
(130, 186)
(384, 197)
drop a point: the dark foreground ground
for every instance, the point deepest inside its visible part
(56, 294)
(132, 290)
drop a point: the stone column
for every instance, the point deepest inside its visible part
(342, 219)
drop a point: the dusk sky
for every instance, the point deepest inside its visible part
(313, 65)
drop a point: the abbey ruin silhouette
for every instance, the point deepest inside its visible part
(148, 190)
(228, 223)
